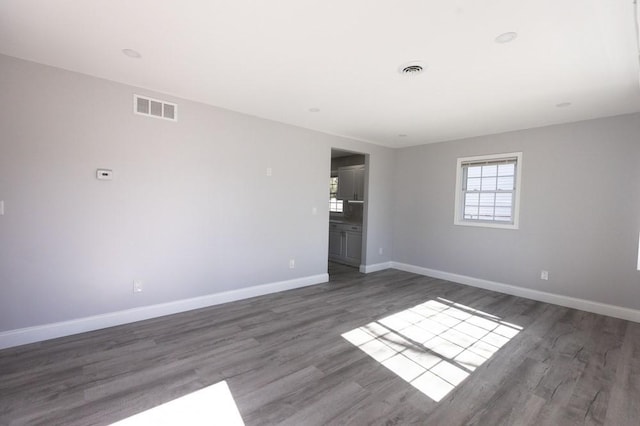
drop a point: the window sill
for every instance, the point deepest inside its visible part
(486, 224)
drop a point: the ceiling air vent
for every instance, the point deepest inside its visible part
(411, 68)
(155, 108)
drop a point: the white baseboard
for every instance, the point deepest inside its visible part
(66, 328)
(39, 333)
(556, 299)
(365, 269)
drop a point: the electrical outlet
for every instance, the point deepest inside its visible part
(314, 211)
(137, 286)
(269, 171)
(544, 275)
(292, 263)
(380, 250)
(1, 207)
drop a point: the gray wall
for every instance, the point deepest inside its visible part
(190, 210)
(579, 212)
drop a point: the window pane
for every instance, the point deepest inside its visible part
(335, 205)
(474, 171)
(490, 170)
(471, 198)
(473, 184)
(487, 199)
(503, 199)
(333, 185)
(505, 183)
(503, 212)
(471, 210)
(486, 211)
(506, 169)
(488, 184)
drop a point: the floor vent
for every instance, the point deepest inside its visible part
(155, 108)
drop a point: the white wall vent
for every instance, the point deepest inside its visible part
(155, 108)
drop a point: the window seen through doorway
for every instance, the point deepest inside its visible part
(335, 205)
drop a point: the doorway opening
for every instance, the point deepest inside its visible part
(348, 193)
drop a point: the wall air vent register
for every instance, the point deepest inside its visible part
(155, 108)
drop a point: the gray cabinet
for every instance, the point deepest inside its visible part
(353, 247)
(335, 243)
(351, 183)
(345, 243)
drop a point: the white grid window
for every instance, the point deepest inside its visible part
(487, 190)
(335, 205)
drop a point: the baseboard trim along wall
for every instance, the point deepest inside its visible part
(541, 296)
(39, 333)
(365, 269)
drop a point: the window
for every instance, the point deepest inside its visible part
(488, 190)
(335, 205)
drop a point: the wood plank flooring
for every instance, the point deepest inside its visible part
(285, 360)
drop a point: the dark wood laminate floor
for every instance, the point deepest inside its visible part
(415, 350)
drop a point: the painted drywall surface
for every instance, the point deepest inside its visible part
(190, 210)
(579, 213)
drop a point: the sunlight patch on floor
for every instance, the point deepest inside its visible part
(208, 406)
(434, 346)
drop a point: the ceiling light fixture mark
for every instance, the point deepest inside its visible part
(314, 109)
(506, 37)
(563, 104)
(132, 53)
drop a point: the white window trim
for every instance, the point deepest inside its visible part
(458, 220)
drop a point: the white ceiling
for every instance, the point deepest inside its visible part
(277, 59)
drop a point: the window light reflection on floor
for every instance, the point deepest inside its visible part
(211, 405)
(434, 346)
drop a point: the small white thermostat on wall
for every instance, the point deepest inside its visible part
(104, 174)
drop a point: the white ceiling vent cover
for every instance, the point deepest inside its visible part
(412, 68)
(155, 108)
